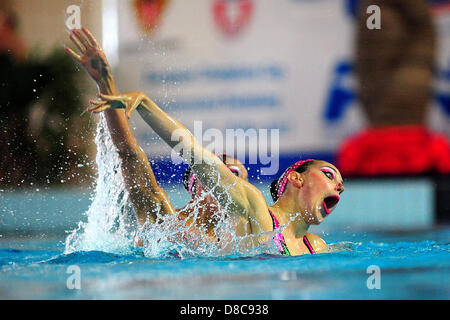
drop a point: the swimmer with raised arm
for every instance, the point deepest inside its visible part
(306, 193)
(147, 197)
(249, 210)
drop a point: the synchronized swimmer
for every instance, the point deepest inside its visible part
(305, 194)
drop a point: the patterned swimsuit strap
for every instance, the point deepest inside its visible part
(280, 241)
(279, 238)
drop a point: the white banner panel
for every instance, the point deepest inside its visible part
(249, 64)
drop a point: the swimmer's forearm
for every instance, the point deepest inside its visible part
(116, 120)
(107, 85)
(118, 125)
(167, 127)
(147, 197)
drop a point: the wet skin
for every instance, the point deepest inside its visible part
(205, 207)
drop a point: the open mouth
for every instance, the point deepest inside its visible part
(329, 203)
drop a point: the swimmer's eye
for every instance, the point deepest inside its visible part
(328, 173)
(235, 171)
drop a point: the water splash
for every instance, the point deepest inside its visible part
(111, 224)
(174, 238)
(110, 217)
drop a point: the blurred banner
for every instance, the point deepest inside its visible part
(285, 64)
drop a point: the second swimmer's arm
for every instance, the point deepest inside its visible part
(213, 174)
(147, 197)
(145, 194)
(235, 194)
(239, 198)
(228, 190)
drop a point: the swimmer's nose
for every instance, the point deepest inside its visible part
(340, 187)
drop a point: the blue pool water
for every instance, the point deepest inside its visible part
(413, 265)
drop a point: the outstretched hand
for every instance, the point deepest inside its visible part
(90, 56)
(128, 101)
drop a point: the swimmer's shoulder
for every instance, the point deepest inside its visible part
(318, 244)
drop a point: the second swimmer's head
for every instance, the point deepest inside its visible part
(192, 184)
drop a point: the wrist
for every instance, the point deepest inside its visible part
(107, 86)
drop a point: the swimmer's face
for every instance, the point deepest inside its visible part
(320, 191)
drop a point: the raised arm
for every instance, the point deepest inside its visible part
(236, 195)
(147, 197)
